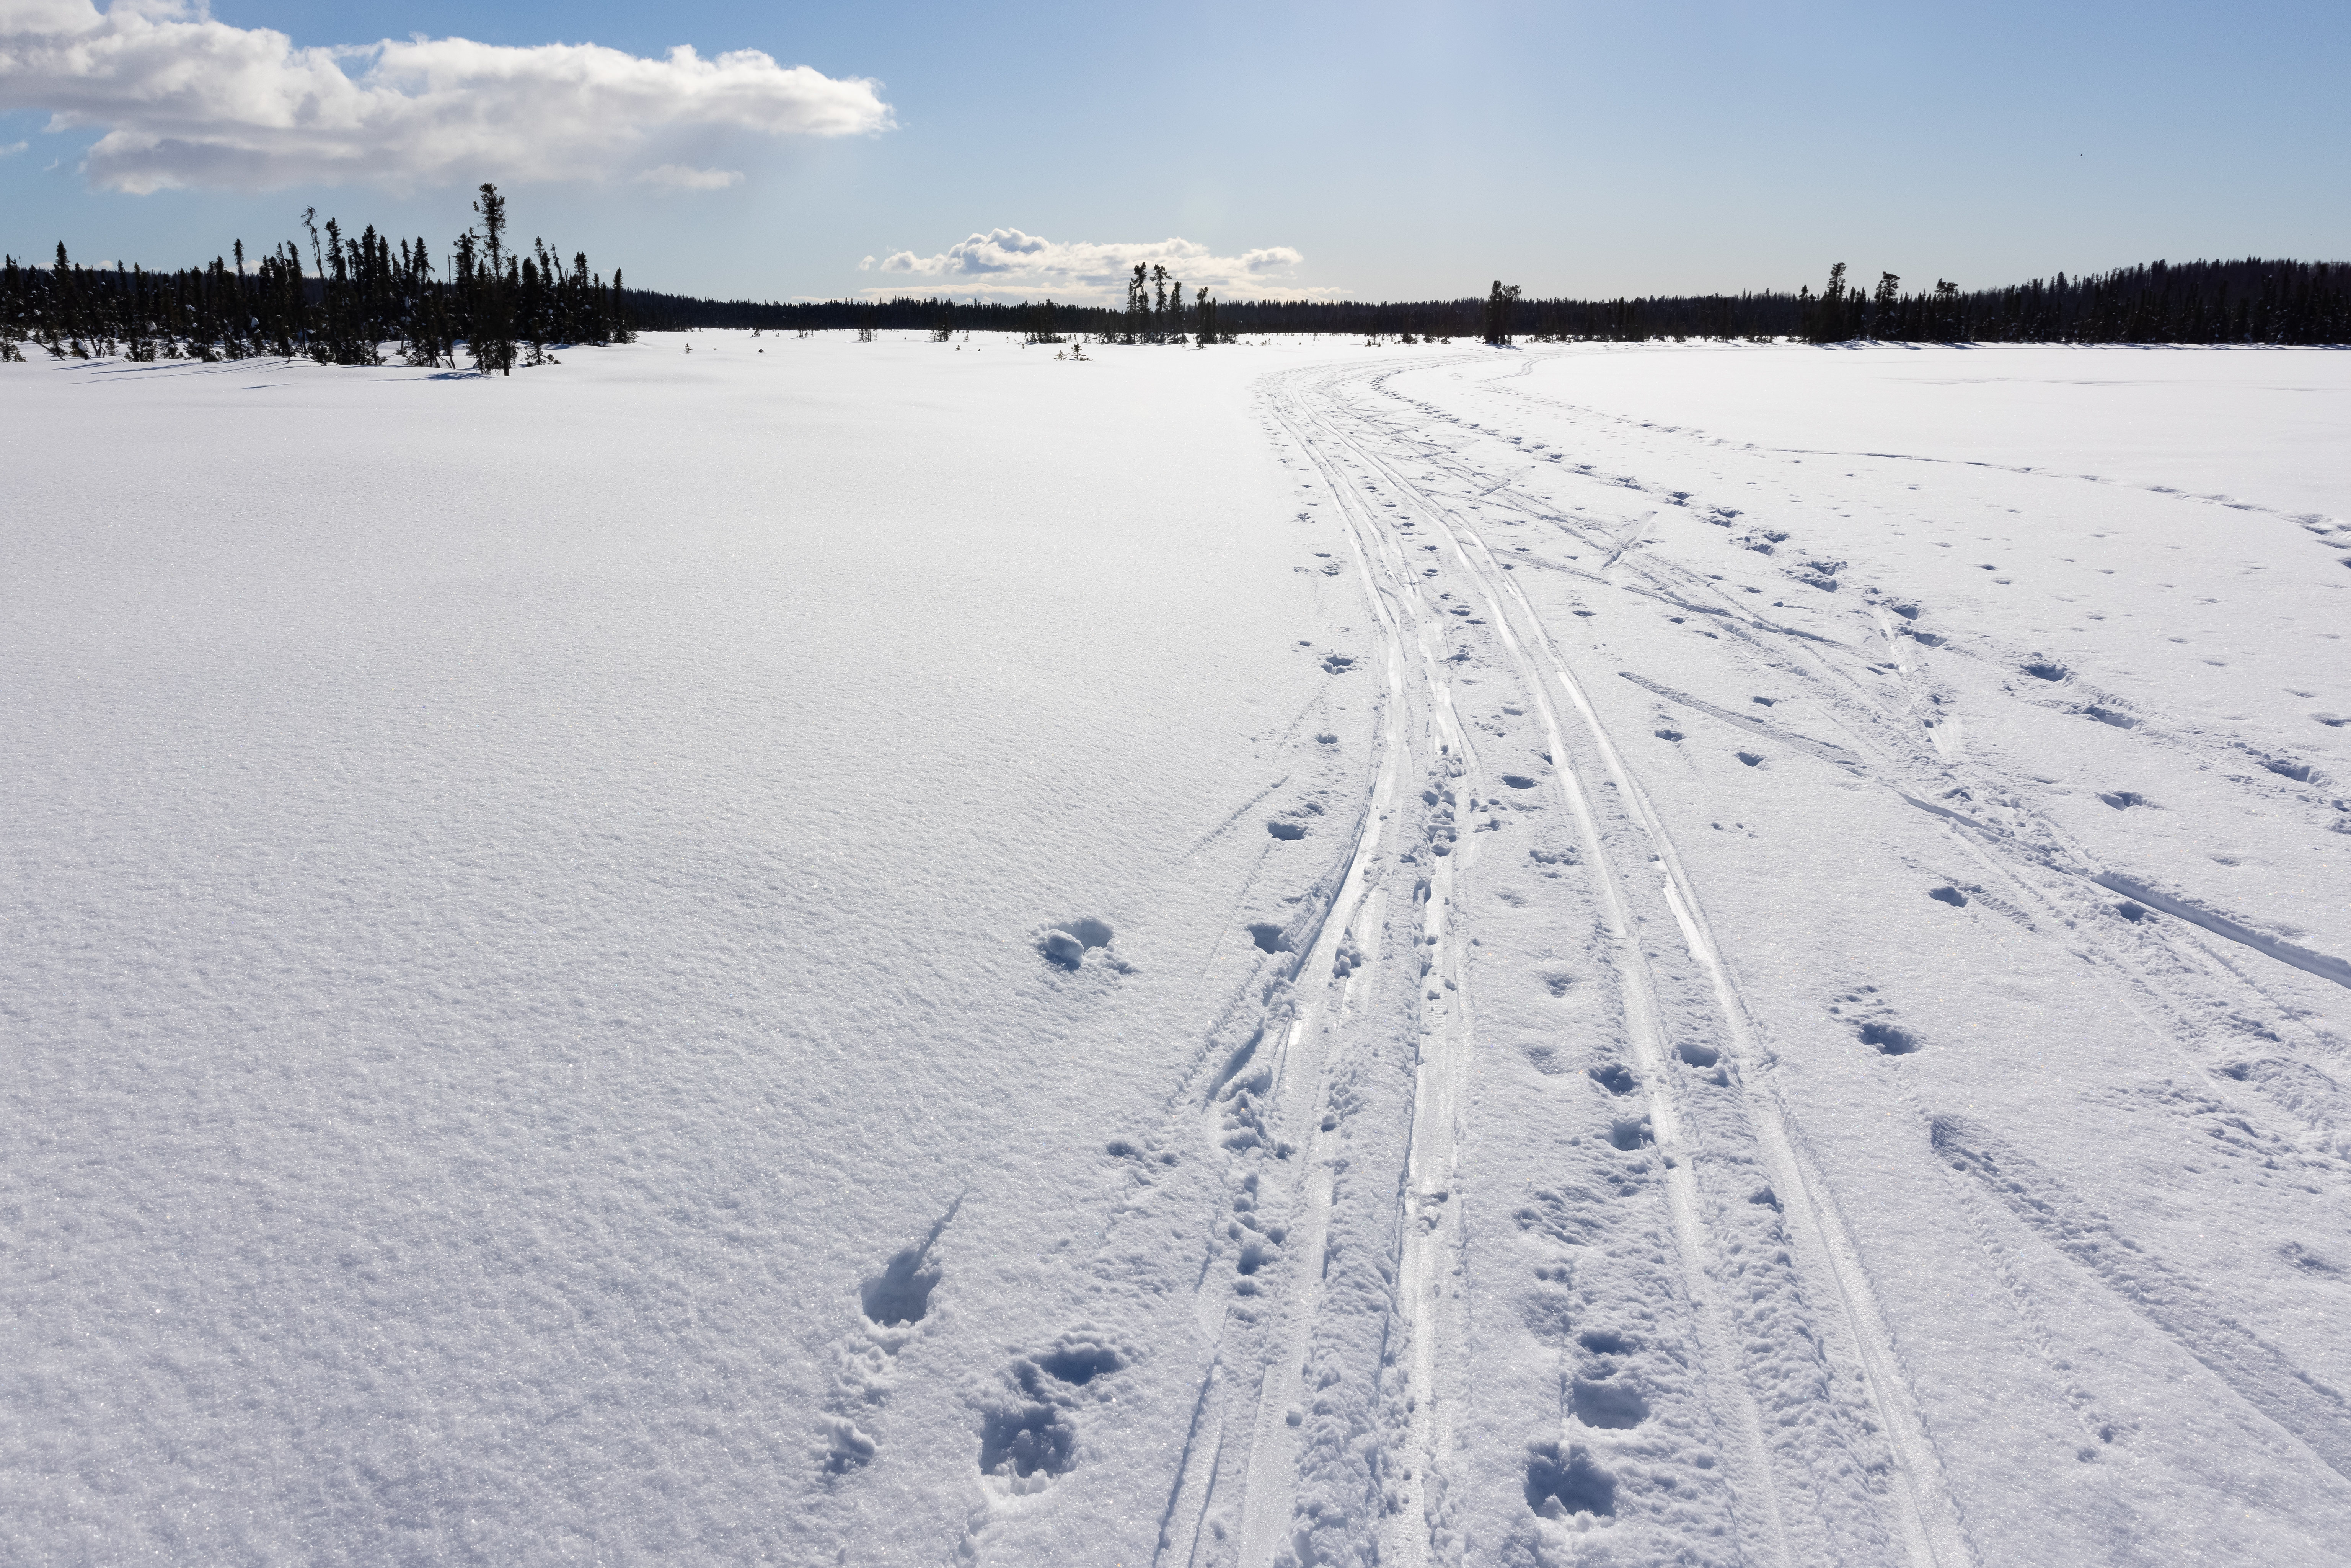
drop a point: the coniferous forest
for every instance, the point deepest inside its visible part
(350, 299)
(2248, 301)
(486, 298)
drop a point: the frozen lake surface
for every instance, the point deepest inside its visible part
(832, 952)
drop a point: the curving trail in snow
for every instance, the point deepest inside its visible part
(1746, 1352)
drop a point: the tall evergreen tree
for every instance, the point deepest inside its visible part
(1501, 303)
(491, 326)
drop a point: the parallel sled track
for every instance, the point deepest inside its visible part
(1633, 861)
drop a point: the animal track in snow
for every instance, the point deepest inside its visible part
(1629, 1133)
(1748, 757)
(1268, 938)
(1348, 958)
(1616, 1407)
(1616, 1077)
(1889, 1037)
(1561, 1484)
(1950, 896)
(1067, 941)
(1017, 1441)
(1288, 832)
(2121, 800)
(1028, 1433)
(900, 1292)
(893, 1301)
(1079, 1359)
(2303, 1258)
(2046, 670)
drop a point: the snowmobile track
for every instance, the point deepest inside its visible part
(1927, 1523)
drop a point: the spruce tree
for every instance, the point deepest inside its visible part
(494, 288)
(1500, 301)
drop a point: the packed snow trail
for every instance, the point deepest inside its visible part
(1422, 1526)
(1923, 1511)
(1820, 1441)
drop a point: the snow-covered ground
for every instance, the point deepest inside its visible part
(1711, 955)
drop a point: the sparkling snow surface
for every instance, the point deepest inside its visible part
(831, 952)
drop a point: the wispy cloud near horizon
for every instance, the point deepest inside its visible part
(186, 100)
(684, 177)
(1007, 264)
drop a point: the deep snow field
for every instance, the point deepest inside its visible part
(829, 953)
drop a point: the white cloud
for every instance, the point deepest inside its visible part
(680, 177)
(187, 100)
(1007, 263)
(13, 149)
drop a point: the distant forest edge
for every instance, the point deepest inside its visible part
(2249, 301)
(504, 306)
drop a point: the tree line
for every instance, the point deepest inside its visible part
(359, 295)
(1155, 311)
(2248, 301)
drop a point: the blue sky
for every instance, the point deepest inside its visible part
(1376, 150)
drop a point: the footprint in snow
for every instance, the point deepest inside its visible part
(1612, 1405)
(1561, 1484)
(893, 1301)
(1029, 1432)
(1068, 943)
(1269, 938)
(1628, 1134)
(900, 1293)
(1890, 1039)
(1615, 1078)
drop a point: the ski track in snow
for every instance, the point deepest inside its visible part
(1419, 1529)
(1868, 1483)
